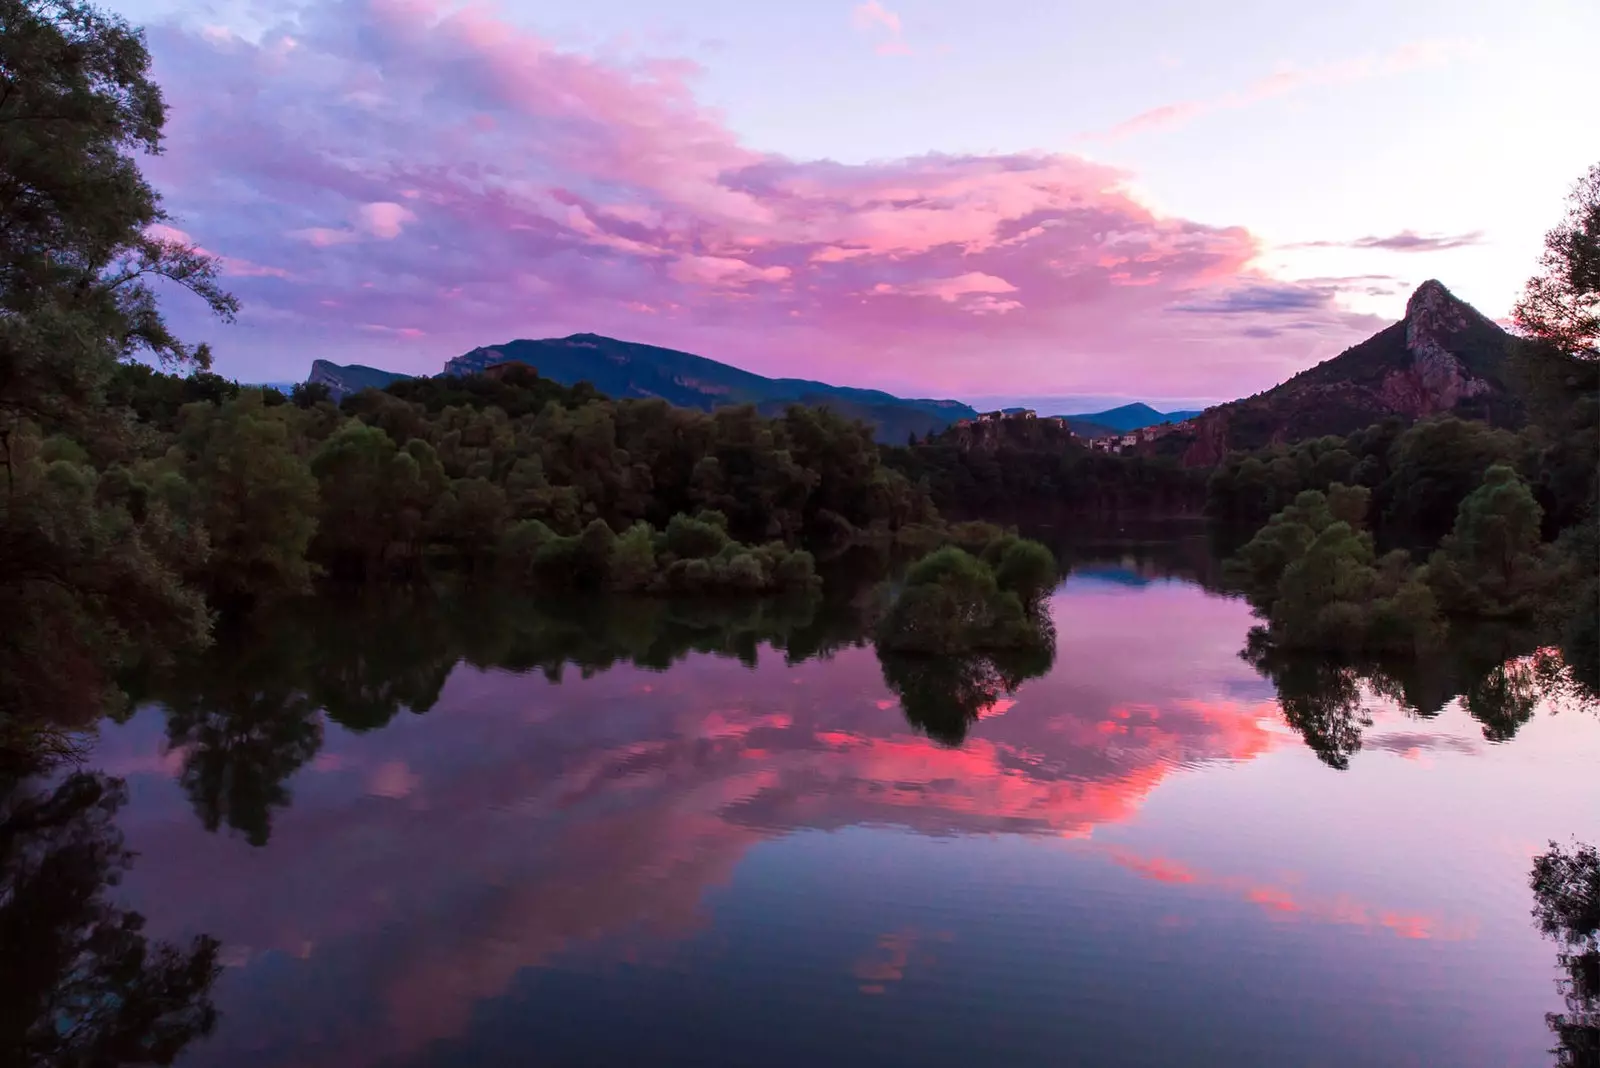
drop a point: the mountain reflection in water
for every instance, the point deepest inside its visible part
(466, 832)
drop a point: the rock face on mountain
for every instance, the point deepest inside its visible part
(627, 369)
(345, 379)
(1444, 356)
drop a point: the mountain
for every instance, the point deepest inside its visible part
(345, 379)
(1128, 417)
(1444, 356)
(627, 369)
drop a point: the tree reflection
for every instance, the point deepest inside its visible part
(377, 656)
(82, 984)
(1320, 698)
(1501, 677)
(1566, 890)
(248, 713)
(944, 695)
(245, 721)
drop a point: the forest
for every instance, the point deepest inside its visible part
(147, 497)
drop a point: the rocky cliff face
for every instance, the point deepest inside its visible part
(1444, 356)
(475, 362)
(343, 380)
(1437, 380)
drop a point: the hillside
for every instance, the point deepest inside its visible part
(344, 379)
(1444, 356)
(1128, 417)
(627, 369)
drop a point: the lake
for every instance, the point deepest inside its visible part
(469, 834)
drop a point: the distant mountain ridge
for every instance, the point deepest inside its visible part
(1126, 418)
(1444, 356)
(628, 369)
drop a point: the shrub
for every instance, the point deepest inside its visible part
(1027, 569)
(633, 559)
(696, 538)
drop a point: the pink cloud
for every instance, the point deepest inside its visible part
(872, 17)
(1414, 56)
(324, 237)
(603, 197)
(950, 290)
(723, 271)
(385, 219)
(395, 331)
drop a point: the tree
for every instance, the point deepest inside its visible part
(90, 577)
(1433, 466)
(244, 720)
(1561, 303)
(258, 498)
(376, 499)
(83, 985)
(1566, 890)
(82, 234)
(1489, 565)
(952, 602)
(82, 237)
(1027, 569)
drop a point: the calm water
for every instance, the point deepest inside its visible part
(756, 857)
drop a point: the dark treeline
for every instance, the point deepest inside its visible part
(1021, 463)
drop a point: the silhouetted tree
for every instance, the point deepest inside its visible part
(1566, 890)
(82, 985)
(1561, 303)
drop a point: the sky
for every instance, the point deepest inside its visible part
(1008, 201)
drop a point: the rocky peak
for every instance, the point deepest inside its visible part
(1433, 315)
(1436, 380)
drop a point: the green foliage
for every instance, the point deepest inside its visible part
(696, 537)
(1315, 577)
(77, 248)
(1417, 476)
(1027, 569)
(86, 580)
(376, 500)
(953, 602)
(1490, 564)
(693, 556)
(92, 580)
(257, 498)
(1580, 637)
(1432, 467)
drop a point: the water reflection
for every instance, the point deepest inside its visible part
(82, 985)
(657, 803)
(1566, 888)
(944, 695)
(1500, 675)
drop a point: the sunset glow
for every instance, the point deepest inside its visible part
(393, 182)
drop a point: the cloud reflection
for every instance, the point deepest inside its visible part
(525, 823)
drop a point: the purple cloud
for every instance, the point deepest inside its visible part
(393, 183)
